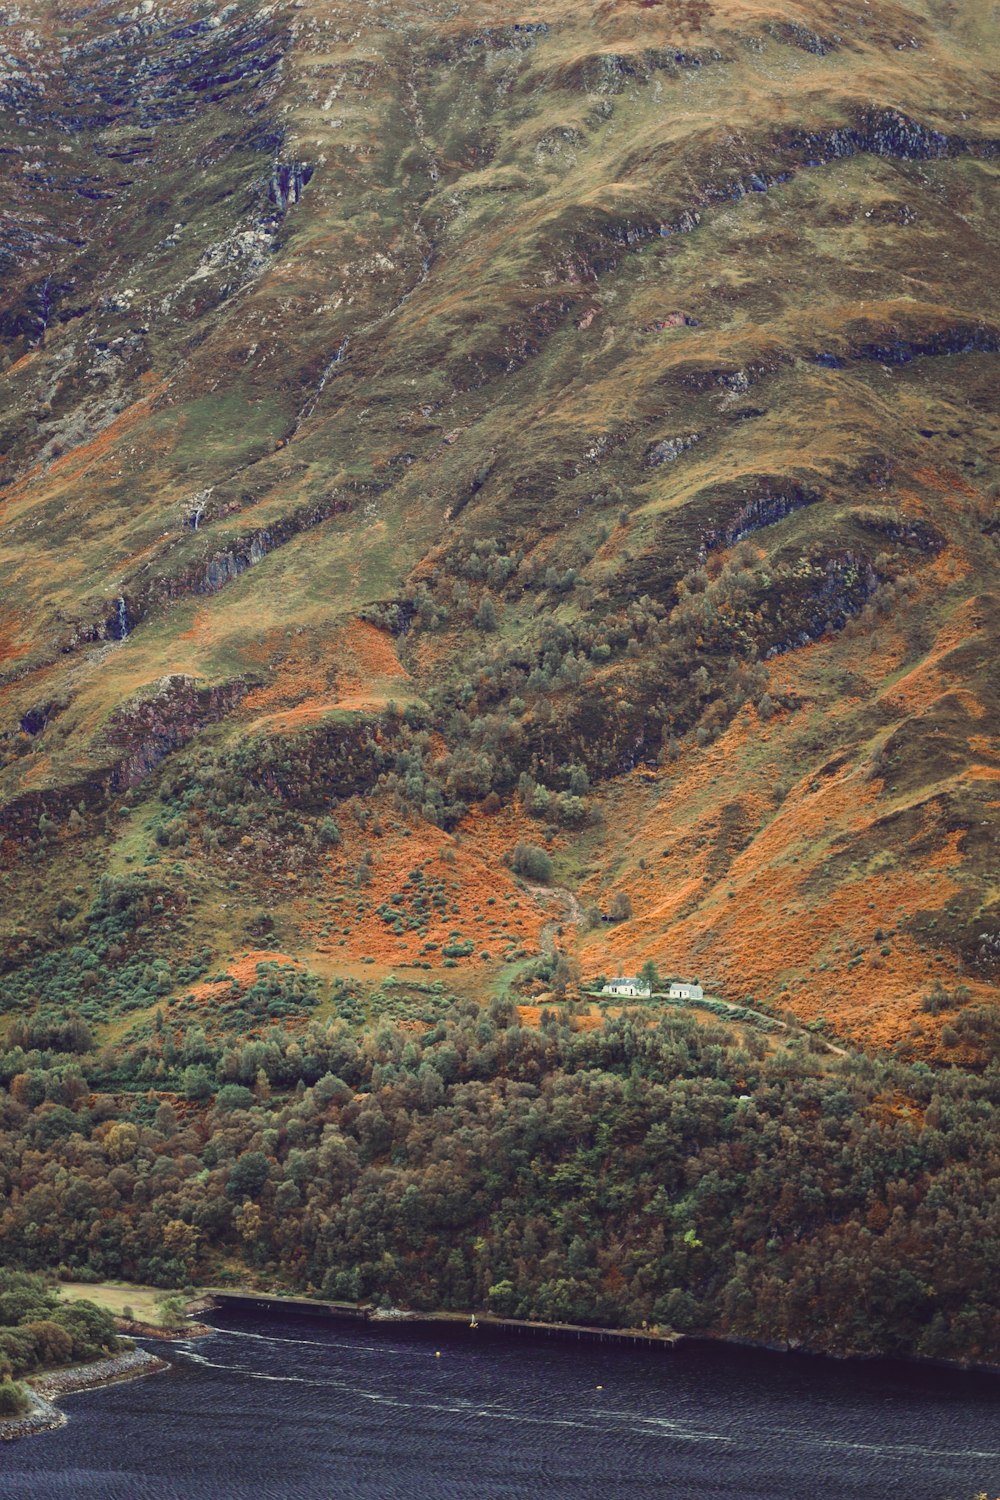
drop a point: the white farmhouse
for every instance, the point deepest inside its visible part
(627, 984)
(680, 990)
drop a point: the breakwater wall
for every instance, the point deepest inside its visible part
(478, 1323)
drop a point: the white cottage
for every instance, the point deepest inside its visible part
(626, 984)
(680, 990)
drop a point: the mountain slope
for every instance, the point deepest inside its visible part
(428, 430)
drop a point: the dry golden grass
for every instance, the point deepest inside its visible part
(146, 1302)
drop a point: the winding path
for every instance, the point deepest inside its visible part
(572, 912)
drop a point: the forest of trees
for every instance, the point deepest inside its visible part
(684, 1173)
(39, 1332)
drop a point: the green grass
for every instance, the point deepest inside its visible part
(146, 1302)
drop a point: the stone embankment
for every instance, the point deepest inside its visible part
(125, 1366)
(132, 1328)
(43, 1415)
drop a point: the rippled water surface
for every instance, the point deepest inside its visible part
(306, 1409)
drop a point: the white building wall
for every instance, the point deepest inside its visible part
(686, 992)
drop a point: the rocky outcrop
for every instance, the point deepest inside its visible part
(21, 816)
(877, 132)
(737, 379)
(986, 953)
(39, 304)
(902, 346)
(667, 450)
(519, 37)
(821, 598)
(335, 760)
(244, 551)
(207, 574)
(154, 71)
(882, 132)
(287, 183)
(41, 714)
(794, 34)
(605, 73)
(902, 530)
(138, 735)
(901, 349)
(766, 508)
(160, 720)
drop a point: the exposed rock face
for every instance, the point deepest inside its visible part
(885, 132)
(138, 735)
(828, 600)
(203, 575)
(160, 720)
(667, 450)
(287, 182)
(934, 343)
(765, 509)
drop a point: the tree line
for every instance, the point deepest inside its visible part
(678, 1173)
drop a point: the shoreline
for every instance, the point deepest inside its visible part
(41, 1416)
(45, 1390)
(486, 1322)
(236, 1300)
(134, 1328)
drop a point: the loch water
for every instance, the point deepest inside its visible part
(301, 1408)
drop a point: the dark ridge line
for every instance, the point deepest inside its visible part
(765, 508)
(207, 576)
(884, 133)
(947, 343)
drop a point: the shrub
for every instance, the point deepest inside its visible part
(571, 809)
(196, 1084)
(234, 1096)
(12, 1399)
(486, 616)
(531, 862)
(329, 832)
(458, 949)
(620, 906)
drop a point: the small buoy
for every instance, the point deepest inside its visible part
(437, 1353)
(600, 1387)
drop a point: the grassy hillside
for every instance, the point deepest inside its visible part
(428, 430)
